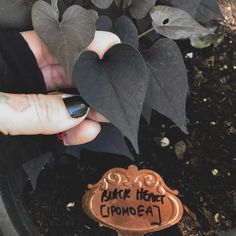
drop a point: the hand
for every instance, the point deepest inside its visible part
(53, 72)
(47, 114)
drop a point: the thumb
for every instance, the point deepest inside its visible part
(102, 42)
(40, 114)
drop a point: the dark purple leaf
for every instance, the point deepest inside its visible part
(20, 17)
(15, 15)
(109, 140)
(127, 31)
(202, 10)
(102, 4)
(34, 167)
(68, 38)
(208, 10)
(93, 15)
(139, 9)
(147, 112)
(124, 28)
(168, 86)
(115, 86)
(104, 23)
(123, 4)
(175, 23)
(189, 6)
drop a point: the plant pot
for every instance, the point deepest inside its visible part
(14, 218)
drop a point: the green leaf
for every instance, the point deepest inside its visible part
(175, 23)
(201, 41)
(204, 41)
(68, 38)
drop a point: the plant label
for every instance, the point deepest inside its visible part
(133, 202)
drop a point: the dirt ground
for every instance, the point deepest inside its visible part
(200, 165)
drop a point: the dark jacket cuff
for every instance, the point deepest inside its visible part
(22, 74)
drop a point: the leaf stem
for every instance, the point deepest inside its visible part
(146, 32)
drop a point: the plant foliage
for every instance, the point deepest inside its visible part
(67, 38)
(124, 28)
(109, 140)
(121, 88)
(103, 4)
(175, 23)
(167, 94)
(135, 77)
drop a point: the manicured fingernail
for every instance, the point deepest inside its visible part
(76, 106)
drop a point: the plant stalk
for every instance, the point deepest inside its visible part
(146, 32)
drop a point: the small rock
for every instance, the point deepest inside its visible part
(70, 205)
(217, 218)
(189, 55)
(213, 123)
(180, 149)
(165, 142)
(215, 172)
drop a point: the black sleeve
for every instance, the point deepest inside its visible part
(19, 72)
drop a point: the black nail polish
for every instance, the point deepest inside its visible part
(76, 106)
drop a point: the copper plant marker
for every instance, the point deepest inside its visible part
(228, 9)
(133, 202)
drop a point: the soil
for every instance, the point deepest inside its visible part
(200, 165)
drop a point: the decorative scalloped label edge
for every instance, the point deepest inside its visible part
(133, 202)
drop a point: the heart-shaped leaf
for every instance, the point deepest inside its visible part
(93, 15)
(168, 85)
(109, 140)
(102, 4)
(68, 38)
(175, 23)
(127, 31)
(124, 28)
(137, 8)
(115, 86)
(104, 23)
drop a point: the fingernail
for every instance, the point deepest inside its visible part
(76, 106)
